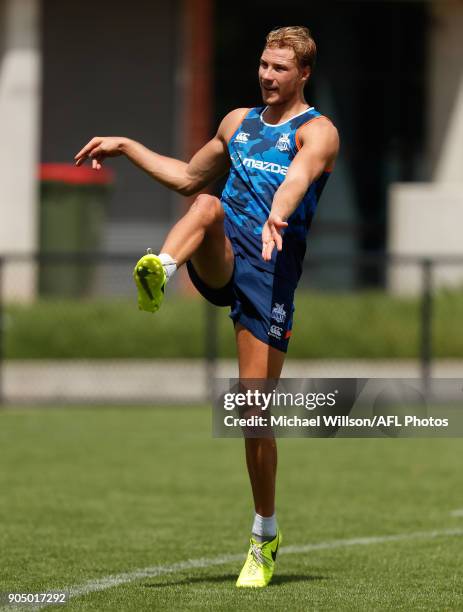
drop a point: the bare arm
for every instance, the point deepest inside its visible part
(208, 164)
(320, 145)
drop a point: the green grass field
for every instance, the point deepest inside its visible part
(385, 327)
(92, 493)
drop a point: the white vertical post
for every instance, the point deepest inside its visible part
(446, 92)
(20, 64)
(425, 218)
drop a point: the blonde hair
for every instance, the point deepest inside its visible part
(297, 38)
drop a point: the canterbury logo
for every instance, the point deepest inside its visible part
(265, 166)
(242, 137)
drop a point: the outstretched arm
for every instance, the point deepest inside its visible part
(320, 145)
(208, 164)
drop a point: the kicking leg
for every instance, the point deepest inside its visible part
(199, 235)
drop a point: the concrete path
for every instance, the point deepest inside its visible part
(173, 381)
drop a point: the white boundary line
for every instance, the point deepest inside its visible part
(109, 582)
(457, 513)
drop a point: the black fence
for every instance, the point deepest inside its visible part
(69, 282)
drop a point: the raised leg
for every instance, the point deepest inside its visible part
(199, 235)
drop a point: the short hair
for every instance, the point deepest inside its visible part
(298, 38)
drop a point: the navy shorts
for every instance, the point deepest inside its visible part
(260, 301)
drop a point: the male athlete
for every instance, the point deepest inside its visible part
(246, 249)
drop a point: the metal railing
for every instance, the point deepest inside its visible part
(427, 266)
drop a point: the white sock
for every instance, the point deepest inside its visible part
(264, 527)
(169, 264)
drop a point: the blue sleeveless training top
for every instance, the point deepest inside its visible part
(260, 154)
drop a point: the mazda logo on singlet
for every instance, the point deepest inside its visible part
(258, 164)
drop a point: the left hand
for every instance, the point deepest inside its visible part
(272, 235)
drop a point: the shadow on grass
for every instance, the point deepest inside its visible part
(277, 580)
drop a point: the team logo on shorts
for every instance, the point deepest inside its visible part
(242, 137)
(283, 142)
(275, 331)
(278, 313)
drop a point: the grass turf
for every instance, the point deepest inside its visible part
(87, 493)
(385, 327)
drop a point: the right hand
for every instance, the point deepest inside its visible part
(272, 235)
(99, 148)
